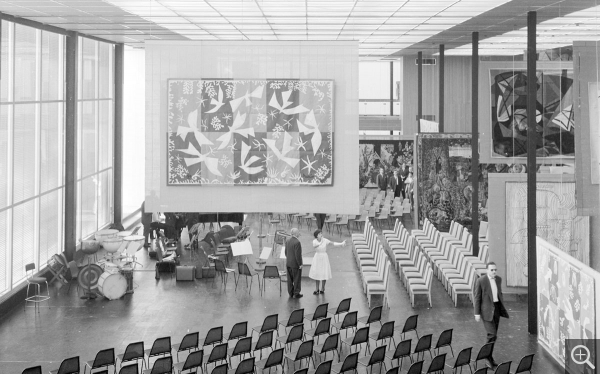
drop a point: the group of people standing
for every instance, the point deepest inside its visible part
(320, 269)
(401, 182)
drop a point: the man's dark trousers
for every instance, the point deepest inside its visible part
(294, 281)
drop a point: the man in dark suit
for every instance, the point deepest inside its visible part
(489, 304)
(396, 184)
(381, 180)
(293, 254)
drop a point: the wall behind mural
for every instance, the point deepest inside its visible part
(566, 302)
(389, 154)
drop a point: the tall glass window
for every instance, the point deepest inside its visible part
(32, 105)
(95, 136)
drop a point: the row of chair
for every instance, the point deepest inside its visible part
(452, 258)
(372, 263)
(412, 266)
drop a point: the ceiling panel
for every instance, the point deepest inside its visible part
(385, 28)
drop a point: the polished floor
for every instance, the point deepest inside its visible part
(68, 326)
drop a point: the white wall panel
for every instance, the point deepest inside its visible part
(253, 60)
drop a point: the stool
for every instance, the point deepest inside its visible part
(37, 297)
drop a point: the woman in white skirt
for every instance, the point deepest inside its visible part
(320, 270)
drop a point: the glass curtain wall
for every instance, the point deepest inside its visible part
(32, 102)
(95, 113)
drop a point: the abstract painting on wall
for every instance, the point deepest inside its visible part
(566, 301)
(250, 132)
(388, 154)
(554, 113)
(557, 223)
(444, 178)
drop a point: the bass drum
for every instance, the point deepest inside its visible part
(112, 285)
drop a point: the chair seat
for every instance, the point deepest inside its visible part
(419, 287)
(37, 280)
(372, 279)
(376, 287)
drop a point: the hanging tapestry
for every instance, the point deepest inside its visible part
(386, 154)
(555, 122)
(557, 223)
(566, 304)
(250, 132)
(444, 179)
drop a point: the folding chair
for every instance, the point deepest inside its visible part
(104, 359)
(68, 366)
(402, 350)
(239, 330)
(525, 364)
(304, 352)
(270, 323)
(133, 352)
(386, 332)
(275, 359)
(296, 334)
(193, 361)
(343, 307)
(374, 316)
(423, 344)
(377, 357)
(410, 325)
(188, 343)
(265, 340)
(271, 272)
(330, 344)
(33, 370)
(296, 318)
(445, 340)
(350, 364)
(350, 321)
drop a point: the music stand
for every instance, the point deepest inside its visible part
(243, 248)
(264, 255)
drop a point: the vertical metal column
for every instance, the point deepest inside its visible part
(531, 174)
(71, 145)
(475, 143)
(391, 91)
(118, 136)
(419, 90)
(441, 88)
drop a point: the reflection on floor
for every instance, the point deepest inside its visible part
(71, 326)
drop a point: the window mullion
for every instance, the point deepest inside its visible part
(11, 140)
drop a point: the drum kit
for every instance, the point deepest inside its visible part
(111, 276)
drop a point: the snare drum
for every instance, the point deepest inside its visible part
(112, 285)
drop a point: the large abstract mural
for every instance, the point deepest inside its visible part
(557, 223)
(388, 154)
(250, 132)
(444, 178)
(554, 113)
(566, 302)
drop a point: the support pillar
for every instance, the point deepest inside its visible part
(531, 174)
(441, 88)
(419, 90)
(475, 143)
(70, 197)
(118, 136)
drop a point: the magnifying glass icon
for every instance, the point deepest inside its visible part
(580, 355)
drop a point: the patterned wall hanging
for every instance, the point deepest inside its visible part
(250, 132)
(554, 113)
